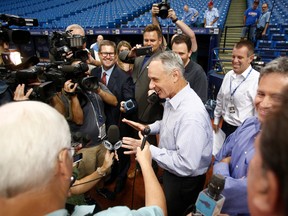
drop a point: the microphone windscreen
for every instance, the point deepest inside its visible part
(122, 55)
(113, 134)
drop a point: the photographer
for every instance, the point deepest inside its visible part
(180, 25)
(6, 94)
(76, 29)
(84, 111)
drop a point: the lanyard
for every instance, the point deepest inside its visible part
(97, 111)
(233, 92)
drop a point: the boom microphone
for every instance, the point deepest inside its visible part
(113, 141)
(210, 201)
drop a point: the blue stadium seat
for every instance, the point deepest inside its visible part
(274, 31)
(280, 45)
(264, 44)
(278, 37)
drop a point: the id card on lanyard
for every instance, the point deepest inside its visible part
(98, 116)
(231, 105)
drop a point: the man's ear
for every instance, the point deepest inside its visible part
(175, 75)
(64, 163)
(266, 198)
(251, 57)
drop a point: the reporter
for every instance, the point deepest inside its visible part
(50, 148)
(86, 183)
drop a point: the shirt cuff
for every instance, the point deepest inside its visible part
(216, 120)
(221, 168)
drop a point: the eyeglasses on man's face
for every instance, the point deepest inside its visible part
(105, 54)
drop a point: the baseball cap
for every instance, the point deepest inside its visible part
(256, 2)
(211, 3)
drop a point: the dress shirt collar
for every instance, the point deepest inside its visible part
(244, 74)
(176, 100)
(108, 72)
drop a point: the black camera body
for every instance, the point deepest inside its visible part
(61, 43)
(163, 6)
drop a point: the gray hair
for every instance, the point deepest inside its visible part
(75, 26)
(170, 61)
(278, 65)
(32, 134)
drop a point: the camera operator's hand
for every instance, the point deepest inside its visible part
(122, 109)
(92, 61)
(69, 86)
(19, 94)
(132, 53)
(155, 10)
(171, 14)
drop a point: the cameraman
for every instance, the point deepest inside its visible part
(76, 29)
(6, 94)
(84, 111)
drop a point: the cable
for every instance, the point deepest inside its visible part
(74, 185)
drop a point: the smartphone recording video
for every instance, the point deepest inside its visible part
(144, 51)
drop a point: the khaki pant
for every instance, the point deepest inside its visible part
(93, 157)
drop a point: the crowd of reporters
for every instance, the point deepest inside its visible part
(83, 91)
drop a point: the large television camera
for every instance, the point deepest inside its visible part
(163, 6)
(63, 44)
(46, 79)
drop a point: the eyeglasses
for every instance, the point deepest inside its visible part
(105, 54)
(71, 150)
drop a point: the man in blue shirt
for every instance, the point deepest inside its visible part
(233, 158)
(190, 16)
(251, 17)
(268, 170)
(263, 23)
(185, 144)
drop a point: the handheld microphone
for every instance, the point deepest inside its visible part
(145, 133)
(210, 201)
(113, 141)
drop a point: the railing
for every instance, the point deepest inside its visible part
(216, 62)
(225, 33)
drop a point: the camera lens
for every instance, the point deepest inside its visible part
(129, 104)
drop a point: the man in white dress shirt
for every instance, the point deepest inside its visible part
(238, 90)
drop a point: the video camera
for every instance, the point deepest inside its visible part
(15, 36)
(163, 6)
(18, 70)
(63, 43)
(59, 73)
